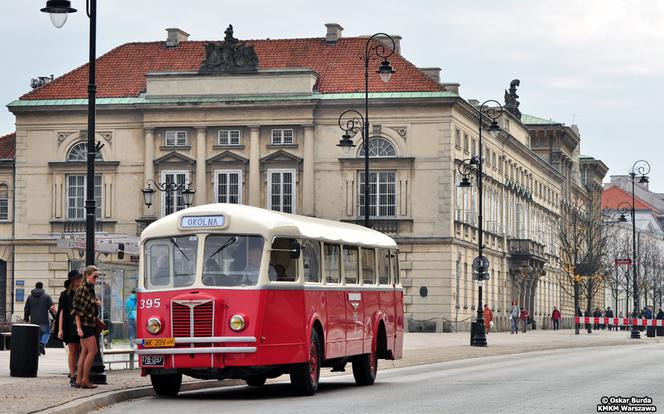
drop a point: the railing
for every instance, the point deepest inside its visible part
(80, 226)
(526, 247)
(385, 225)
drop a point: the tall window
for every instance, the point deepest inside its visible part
(176, 138)
(4, 202)
(379, 148)
(228, 186)
(229, 137)
(76, 187)
(79, 153)
(282, 136)
(382, 194)
(281, 190)
(173, 200)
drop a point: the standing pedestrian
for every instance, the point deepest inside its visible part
(514, 317)
(36, 310)
(67, 325)
(596, 314)
(524, 318)
(660, 316)
(85, 310)
(609, 314)
(130, 310)
(555, 316)
(488, 318)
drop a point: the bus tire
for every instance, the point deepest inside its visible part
(255, 381)
(166, 385)
(365, 368)
(305, 376)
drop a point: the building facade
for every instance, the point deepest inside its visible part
(265, 133)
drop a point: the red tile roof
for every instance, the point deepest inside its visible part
(613, 196)
(121, 71)
(8, 146)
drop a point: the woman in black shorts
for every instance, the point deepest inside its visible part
(66, 323)
(85, 309)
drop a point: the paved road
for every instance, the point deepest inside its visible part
(571, 381)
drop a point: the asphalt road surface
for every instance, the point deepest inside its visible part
(566, 381)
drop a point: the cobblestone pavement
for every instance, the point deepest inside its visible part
(51, 388)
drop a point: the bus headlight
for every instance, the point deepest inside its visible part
(154, 326)
(237, 323)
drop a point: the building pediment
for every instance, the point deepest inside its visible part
(280, 156)
(174, 158)
(227, 157)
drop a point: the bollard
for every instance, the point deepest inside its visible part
(24, 352)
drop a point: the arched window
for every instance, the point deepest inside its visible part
(379, 148)
(79, 153)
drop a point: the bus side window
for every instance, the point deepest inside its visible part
(383, 267)
(332, 268)
(368, 266)
(395, 266)
(350, 264)
(283, 268)
(311, 259)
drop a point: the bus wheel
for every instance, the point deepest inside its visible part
(304, 377)
(166, 385)
(365, 368)
(255, 381)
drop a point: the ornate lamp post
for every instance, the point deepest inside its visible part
(385, 70)
(58, 10)
(466, 167)
(169, 188)
(639, 168)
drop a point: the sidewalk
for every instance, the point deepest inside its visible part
(51, 391)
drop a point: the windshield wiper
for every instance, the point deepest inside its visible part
(225, 245)
(175, 243)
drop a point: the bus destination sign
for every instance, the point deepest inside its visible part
(193, 222)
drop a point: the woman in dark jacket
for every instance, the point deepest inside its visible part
(66, 325)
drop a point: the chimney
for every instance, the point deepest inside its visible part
(333, 32)
(433, 73)
(175, 36)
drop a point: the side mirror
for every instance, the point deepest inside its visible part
(295, 249)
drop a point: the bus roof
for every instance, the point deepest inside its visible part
(242, 219)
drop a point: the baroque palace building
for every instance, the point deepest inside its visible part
(267, 136)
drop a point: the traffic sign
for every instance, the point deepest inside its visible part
(480, 264)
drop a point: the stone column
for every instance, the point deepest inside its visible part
(308, 196)
(148, 168)
(254, 167)
(201, 164)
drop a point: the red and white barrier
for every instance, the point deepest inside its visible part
(619, 321)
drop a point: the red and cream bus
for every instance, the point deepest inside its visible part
(232, 291)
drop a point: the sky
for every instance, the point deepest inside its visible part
(598, 64)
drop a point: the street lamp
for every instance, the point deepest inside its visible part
(639, 168)
(169, 188)
(358, 121)
(466, 167)
(58, 10)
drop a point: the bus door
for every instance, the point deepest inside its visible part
(353, 298)
(335, 303)
(398, 303)
(387, 299)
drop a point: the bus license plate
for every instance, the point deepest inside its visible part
(159, 342)
(152, 360)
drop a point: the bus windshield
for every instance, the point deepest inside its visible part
(170, 262)
(232, 260)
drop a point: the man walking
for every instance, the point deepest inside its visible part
(36, 311)
(555, 316)
(609, 314)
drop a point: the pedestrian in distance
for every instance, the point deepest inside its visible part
(555, 317)
(85, 310)
(660, 316)
(130, 310)
(488, 318)
(514, 317)
(609, 314)
(66, 324)
(36, 311)
(524, 318)
(596, 314)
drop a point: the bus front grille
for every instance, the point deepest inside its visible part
(192, 318)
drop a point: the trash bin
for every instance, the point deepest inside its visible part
(660, 330)
(24, 353)
(650, 331)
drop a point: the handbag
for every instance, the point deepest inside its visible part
(99, 327)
